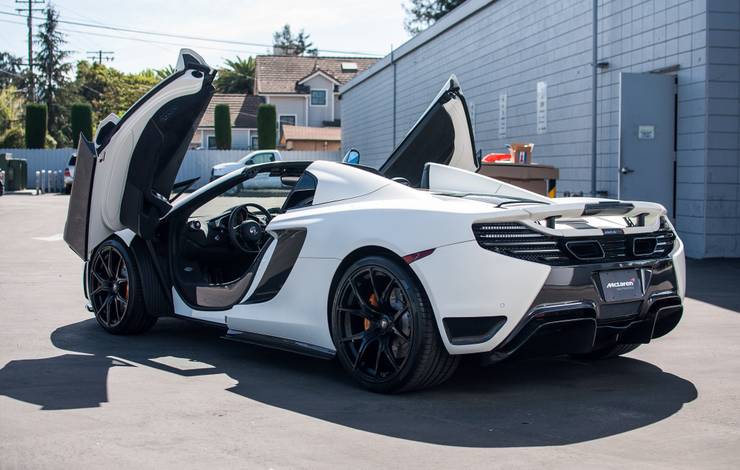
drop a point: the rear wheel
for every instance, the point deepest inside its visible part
(115, 291)
(608, 352)
(384, 329)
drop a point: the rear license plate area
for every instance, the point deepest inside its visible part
(621, 285)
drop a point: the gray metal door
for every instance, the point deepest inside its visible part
(646, 138)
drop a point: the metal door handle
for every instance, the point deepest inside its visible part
(624, 170)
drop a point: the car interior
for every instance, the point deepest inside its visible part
(219, 243)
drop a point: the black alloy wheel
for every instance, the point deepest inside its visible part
(110, 286)
(384, 331)
(114, 291)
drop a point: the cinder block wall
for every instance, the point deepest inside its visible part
(721, 210)
(507, 46)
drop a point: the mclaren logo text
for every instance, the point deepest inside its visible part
(618, 284)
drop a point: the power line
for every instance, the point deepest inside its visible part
(181, 36)
(99, 56)
(148, 41)
(29, 20)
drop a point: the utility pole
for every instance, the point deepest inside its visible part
(29, 10)
(98, 56)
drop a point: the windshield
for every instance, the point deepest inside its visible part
(265, 190)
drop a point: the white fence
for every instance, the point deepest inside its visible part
(197, 163)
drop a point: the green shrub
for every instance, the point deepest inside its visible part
(13, 139)
(222, 125)
(36, 125)
(81, 121)
(267, 126)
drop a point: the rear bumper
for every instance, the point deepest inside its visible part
(503, 306)
(575, 329)
(570, 315)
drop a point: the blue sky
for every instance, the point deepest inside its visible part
(344, 25)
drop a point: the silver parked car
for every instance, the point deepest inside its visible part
(69, 173)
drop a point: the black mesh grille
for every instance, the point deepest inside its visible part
(519, 241)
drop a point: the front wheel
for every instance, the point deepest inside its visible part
(115, 291)
(384, 330)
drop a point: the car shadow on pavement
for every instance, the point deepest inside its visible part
(514, 404)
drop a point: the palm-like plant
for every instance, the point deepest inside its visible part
(236, 77)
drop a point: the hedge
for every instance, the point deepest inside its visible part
(81, 120)
(36, 125)
(222, 125)
(267, 126)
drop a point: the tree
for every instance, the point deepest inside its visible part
(238, 77)
(11, 71)
(164, 72)
(285, 43)
(51, 62)
(267, 126)
(109, 90)
(11, 108)
(424, 13)
(81, 122)
(222, 126)
(36, 119)
(13, 139)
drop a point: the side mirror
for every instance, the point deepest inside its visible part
(352, 157)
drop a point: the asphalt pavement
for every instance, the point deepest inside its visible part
(72, 396)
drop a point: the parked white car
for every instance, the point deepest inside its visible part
(397, 272)
(69, 173)
(253, 158)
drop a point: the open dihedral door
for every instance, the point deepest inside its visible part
(443, 135)
(125, 178)
(75, 229)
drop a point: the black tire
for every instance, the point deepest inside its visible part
(115, 291)
(607, 352)
(384, 329)
(67, 189)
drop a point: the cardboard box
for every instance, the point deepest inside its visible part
(536, 178)
(521, 153)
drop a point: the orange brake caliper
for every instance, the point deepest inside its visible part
(373, 302)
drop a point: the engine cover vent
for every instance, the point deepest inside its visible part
(520, 241)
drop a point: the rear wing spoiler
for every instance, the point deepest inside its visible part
(640, 214)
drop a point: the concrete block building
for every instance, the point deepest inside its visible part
(668, 99)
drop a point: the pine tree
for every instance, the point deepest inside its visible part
(52, 70)
(424, 13)
(288, 44)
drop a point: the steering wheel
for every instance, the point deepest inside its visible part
(246, 230)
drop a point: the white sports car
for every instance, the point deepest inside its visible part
(397, 272)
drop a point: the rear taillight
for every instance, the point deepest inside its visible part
(67, 173)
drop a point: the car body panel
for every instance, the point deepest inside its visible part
(356, 208)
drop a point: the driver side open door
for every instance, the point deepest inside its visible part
(443, 135)
(126, 175)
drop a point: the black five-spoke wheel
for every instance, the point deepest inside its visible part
(114, 291)
(382, 325)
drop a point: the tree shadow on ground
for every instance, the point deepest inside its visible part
(514, 404)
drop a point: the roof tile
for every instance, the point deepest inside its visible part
(279, 74)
